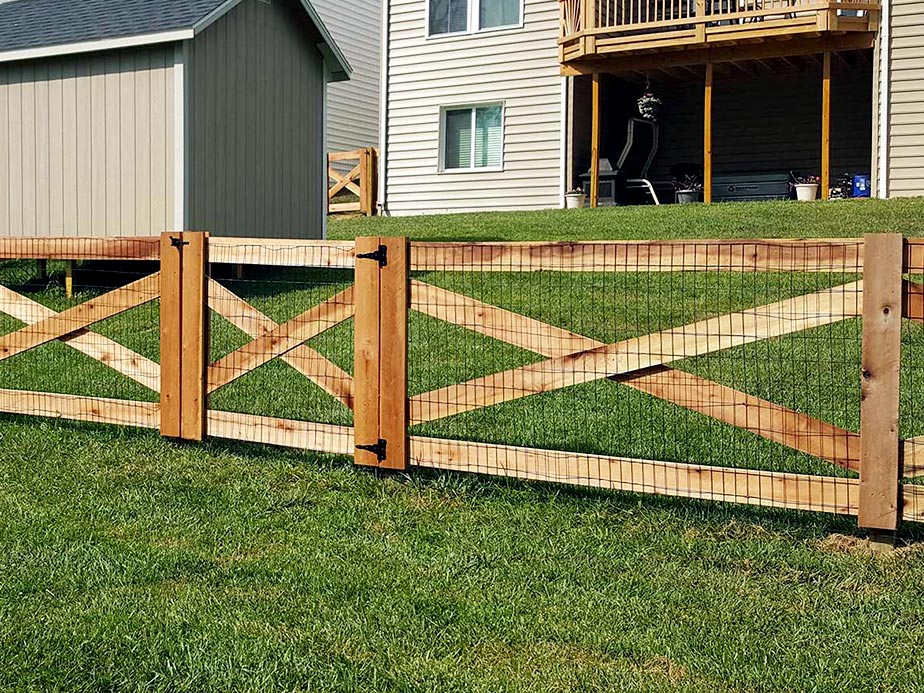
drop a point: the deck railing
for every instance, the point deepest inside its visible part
(649, 19)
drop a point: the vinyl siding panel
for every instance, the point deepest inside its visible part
(906, 102)
(518, 67)
(85, 145)
(255, 109)
(353, 106)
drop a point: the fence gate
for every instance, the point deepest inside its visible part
(380, 350)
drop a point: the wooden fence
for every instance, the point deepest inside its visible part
(868, 281)
(352, 173)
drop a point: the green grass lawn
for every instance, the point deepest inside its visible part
(834, 219)
(131, 563)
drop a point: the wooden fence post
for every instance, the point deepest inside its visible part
(381, 300)
(880, 503)
(184, 335)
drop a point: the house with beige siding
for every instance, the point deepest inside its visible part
(508, 104)
(130, 117)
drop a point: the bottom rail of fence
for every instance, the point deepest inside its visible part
(99, 410)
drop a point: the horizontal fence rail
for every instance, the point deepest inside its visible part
(781, 373)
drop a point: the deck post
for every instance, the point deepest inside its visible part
(826, 128)
(880, 470)
(707, 137)
(595, 141)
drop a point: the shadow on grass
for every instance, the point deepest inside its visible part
(474, 487)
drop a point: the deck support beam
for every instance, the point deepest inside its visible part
(595, 141)
(826, 128)
(707, 136)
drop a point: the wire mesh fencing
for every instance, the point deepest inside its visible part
(79, 338)
(717, 370)
(911, 419)
(757, 372)
(281, 343)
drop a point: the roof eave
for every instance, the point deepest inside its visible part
(97, 45)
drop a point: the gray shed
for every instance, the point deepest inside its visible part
(131, 117)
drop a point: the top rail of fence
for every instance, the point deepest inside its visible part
(736, 255)
(774, 255)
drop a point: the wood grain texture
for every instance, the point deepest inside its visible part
(758, 416)
(195, 334)
(108, 352)
(81, 316)
(707, 336)
(770, 489)
(302, 435)
(171, 338)
(913, 302)
(281, 340)
(101, 410)
(282, 253)
(913, 503)
(142, 248)
(765, 419)
(366, 351)
(822, 255)
(879, 409)
(497, 323)
(394, 297)
(307, 361)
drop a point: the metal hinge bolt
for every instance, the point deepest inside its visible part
(379, 449)
(380, 256)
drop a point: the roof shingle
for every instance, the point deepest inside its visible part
(28, 24)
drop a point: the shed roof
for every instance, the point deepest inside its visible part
(39, 28)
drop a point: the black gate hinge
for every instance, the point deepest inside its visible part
(177, 242)
(380, 256)
(380, 449)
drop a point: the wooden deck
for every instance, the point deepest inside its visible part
(611, 35)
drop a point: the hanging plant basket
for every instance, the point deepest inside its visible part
(649, 106)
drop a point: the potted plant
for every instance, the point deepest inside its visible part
(688, 189)
(575, 199)
(649, 106)
(806, 187)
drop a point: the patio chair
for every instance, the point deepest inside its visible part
(637, 155)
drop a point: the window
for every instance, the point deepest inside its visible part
(473, 138)
(465, 16)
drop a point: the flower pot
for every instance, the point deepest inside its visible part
(686, 197)
(806, 192)
(575, 200)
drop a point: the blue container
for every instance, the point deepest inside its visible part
(860, 186)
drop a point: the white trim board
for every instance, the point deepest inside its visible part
(100, 45)
(328, 46)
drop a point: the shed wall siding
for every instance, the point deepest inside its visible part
(906, 102)
(87, 145)
(516, 66)
(255, 110)
(353, 106)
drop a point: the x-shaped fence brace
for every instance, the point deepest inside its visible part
(71, 327)
(640, 363)
(343, 181)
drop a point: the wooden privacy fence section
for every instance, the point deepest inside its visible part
(783, 361)
(353, 172)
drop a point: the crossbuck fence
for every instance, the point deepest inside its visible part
(783, 373)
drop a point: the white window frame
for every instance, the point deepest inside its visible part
(473, 107)
(473, 29)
